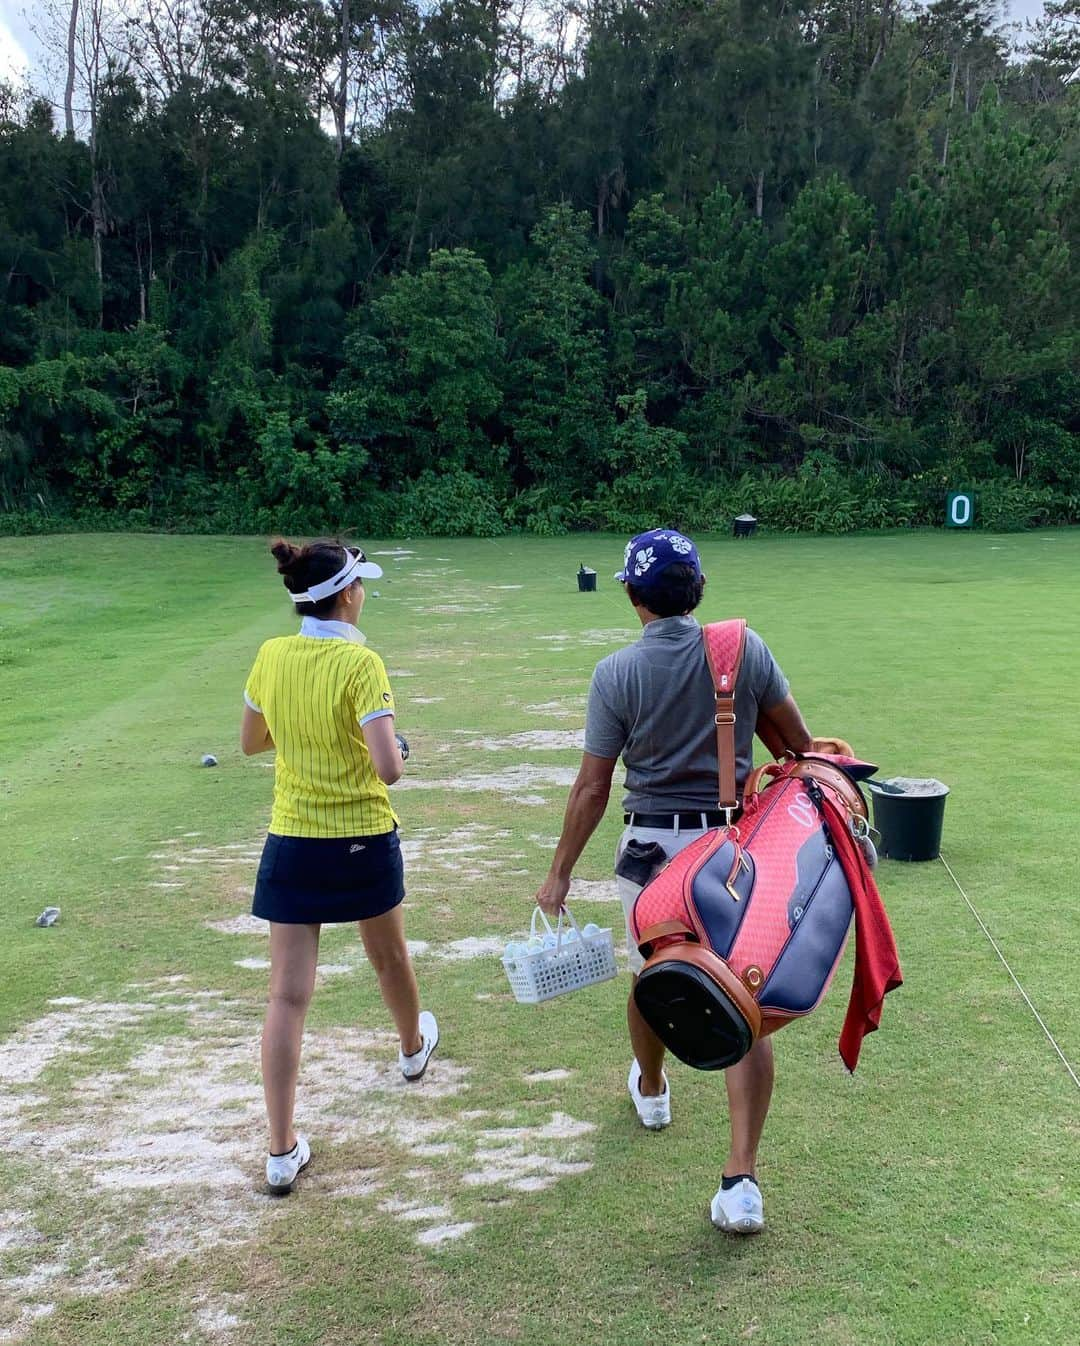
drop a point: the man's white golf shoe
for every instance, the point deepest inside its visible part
(654, 1113)
(281, 1169)
(739, 1209)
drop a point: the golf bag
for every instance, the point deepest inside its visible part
(742, 931)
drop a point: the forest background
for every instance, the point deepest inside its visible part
(403, 268)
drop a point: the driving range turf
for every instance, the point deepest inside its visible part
(512, 1197)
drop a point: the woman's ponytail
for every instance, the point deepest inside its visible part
(286, 555)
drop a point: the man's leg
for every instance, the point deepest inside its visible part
(749, 1090)
(648, 1049)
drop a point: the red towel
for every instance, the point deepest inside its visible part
(877, 964)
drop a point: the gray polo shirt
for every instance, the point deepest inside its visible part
(653, 704)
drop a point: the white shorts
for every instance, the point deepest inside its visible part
(673, 842)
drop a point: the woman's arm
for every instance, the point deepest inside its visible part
(385, 753)
(254, 733)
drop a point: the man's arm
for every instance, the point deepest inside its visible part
(584, 809)
(790, 727)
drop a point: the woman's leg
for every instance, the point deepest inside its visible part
(384, 944)
(294, 952)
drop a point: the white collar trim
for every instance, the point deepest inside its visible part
(318, 629)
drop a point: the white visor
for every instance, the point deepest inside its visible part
(356, 567)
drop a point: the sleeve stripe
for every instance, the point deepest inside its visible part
(254, 707)
(375, 715)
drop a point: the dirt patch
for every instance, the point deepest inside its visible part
(215, 1320)
(510, 780)
(472, 947)
(520, 1157)
(69, 1031)
(594, 890)
(29, 1314)
(533, 740)
(240, 925)
(451, 858)
(183, 1121)
(612, 637)
(444, 1233)
(454, 609)
(571, 708)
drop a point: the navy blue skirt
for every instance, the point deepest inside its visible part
(309, 880)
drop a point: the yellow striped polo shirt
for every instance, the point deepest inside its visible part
(316, 691)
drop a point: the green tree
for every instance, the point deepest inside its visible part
(556, 409)
(420, 384)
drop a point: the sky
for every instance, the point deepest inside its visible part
(20, 50)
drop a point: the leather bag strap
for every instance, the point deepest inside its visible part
(754, 780)
(659, 930)
(724, 644)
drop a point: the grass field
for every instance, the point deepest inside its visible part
(931, 1198)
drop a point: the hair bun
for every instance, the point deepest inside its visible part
(286, 554)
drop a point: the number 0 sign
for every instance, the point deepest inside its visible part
(959, 509)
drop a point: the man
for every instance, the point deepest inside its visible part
(653, 703)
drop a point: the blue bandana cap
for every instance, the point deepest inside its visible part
(649, 554)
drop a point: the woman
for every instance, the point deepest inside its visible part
(322, 701)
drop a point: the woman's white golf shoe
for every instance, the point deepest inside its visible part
(281, 1169)
(412, 1067)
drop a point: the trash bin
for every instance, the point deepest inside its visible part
(586, 580)
(744, 525)
(909, 814)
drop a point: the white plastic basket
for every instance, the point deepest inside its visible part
(567, 965)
